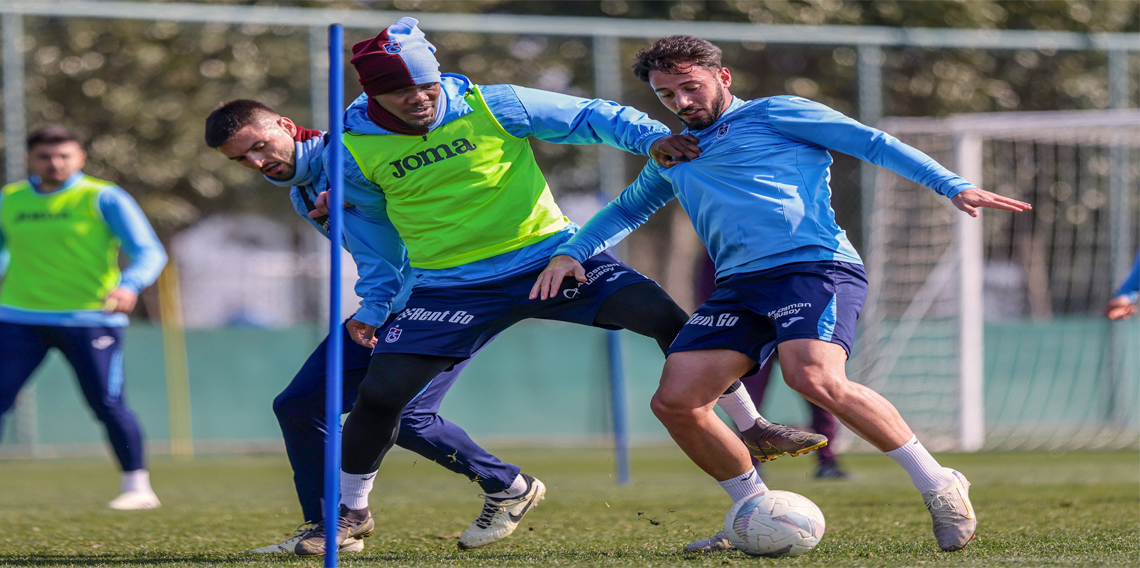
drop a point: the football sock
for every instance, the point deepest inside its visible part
(137, 480)
(738, 406)
(354, 489)
(516, 488)
(743, 486)
(925, 472)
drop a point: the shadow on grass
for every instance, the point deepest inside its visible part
(411, 558)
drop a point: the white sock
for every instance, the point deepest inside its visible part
(137, 480)
(516, 488)
(354, 489)
(925, 472)
(743, 486)
(738, 406)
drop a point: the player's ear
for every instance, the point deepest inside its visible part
(288, 125)
(725, 77)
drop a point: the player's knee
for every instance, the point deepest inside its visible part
(286, 407)
(817, 385)
(671, 409)
(376, 398)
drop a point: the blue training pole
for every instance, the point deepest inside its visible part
(617, 401)
(334, 378)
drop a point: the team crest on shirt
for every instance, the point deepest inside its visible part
(391, 47)
(722, 131)
(393, 335)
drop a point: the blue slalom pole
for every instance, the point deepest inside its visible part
(334, 377)
(617, 401)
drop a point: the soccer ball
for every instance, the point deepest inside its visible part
(774, 524)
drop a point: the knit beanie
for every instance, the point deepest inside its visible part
(397, 58)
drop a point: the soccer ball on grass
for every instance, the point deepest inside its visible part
(773, 524)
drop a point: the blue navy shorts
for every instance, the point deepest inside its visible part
(456, 321)
(754, 312)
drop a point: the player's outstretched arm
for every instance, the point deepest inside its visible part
(969, 200)
(559, 268)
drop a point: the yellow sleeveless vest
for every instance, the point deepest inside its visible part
(63, 255)
(466, 191)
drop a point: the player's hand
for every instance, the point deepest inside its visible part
(671, 150)
(1120, 307)
(361, 333)
(322, 205)
(971, 199)
(120, 301)
(550, 280)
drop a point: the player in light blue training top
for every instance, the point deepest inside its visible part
(1123, 303)
(787, 276)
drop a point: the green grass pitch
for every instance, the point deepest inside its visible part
(1070, 509)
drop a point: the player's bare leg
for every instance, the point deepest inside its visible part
(816, 369)
(690, 385)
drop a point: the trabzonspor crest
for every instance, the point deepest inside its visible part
(391, 47)
(723, 130)
(393, 335)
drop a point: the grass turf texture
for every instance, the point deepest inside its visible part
(1075, 509)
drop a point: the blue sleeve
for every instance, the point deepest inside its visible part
(1131, 285)
(817, 124)
(565, 119)
(302, 209)
(379, 252)
(381, 263)
(649, 192)
(126, 221)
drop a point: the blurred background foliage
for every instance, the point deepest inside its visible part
(140, 90)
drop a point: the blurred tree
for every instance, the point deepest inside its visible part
(139, 90)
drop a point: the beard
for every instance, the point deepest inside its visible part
(712, 114)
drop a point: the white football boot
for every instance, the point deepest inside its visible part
(500, 517)
(715, 543)
(135, 500)
(952, 512)
(289, 545)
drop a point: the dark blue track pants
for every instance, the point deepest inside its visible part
(96, 355)
(300, 410)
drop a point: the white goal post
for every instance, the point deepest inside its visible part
(985, 331)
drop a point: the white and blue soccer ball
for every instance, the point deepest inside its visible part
(774, 524)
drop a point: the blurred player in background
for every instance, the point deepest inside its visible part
(255, 136)
(63, 289)
(787, 276)
(1123, 303)
(451, 164)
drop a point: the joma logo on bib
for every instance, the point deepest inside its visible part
(430, 156)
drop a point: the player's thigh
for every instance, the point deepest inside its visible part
(694, 379)
(643, 308)
(21, 351)
(394, 379)
(96, 355)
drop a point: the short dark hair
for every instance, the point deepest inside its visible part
(676, 54)
(53, 135)
(229, 118)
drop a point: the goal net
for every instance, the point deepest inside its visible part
(987, 334)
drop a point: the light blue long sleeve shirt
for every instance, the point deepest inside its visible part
(524, 112)
(137, 239)
(759, 194)
(1131, 285)
(384, 275)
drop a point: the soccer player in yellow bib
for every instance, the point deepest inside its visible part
(453, 172)
(63, 289)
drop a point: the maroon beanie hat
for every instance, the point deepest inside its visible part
(401, 56)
